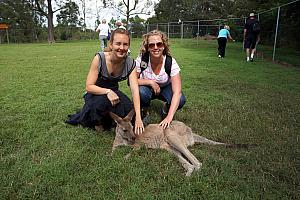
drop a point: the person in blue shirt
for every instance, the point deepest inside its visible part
(224, 34)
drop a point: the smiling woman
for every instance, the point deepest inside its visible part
(102, 86)
(159, 76)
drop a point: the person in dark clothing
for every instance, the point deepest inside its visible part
(222, 40)
(251, 36)
(102, 88)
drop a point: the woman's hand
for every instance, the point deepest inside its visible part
(166, 122)
(155, 87)
(113, 97)
(139, 127)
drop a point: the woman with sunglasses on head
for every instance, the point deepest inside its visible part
(102, 89)
(156, 80)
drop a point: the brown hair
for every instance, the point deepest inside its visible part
(118, 31)
(144, 46)
(112, 37)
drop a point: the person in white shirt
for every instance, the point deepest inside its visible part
(154, 81)
(104, 31)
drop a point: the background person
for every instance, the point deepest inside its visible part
(251, 36)
(154, 82)
(103, 94)
(222, 40)
(119, 24)
(104, 31)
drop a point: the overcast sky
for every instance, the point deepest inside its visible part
(93, 5)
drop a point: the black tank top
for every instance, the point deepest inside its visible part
(112, 82)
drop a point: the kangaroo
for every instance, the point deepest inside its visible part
(175, 139)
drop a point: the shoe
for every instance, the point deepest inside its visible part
(219, 56)
(251, 59)
(164, 111)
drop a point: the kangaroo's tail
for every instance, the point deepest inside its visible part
(203, 140)
(240, 146)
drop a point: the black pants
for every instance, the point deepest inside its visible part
(222, 45)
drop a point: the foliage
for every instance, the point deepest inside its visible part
(19, 15)
(137, 26)
(68, 16)
(130, 8)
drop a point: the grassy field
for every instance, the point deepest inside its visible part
(227, 100)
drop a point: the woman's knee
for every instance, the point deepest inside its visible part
(182, 101)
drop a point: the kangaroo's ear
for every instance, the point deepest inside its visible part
(115, 117)
(130, 115)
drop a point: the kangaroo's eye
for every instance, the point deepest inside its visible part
(124, 130)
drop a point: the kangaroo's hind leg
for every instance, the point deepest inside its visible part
(189, 168)
(175, 142)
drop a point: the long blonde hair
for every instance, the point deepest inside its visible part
(144, 46)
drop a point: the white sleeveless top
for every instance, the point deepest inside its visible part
(162, 79)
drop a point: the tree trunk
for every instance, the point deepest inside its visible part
(50, 23)
(127, 14)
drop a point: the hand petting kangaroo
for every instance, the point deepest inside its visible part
(174, 139)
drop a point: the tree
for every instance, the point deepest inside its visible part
(130, 8)
(47, 11)
(137, 25)
(173, 10)
(19, 15)
(68, 15)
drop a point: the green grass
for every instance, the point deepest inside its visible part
(227, 100)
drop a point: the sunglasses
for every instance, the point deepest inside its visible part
(159, 45)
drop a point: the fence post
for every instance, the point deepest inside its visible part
(7, 37)
(276, 32)
(182, 30)
(168, 30)
(198, 33)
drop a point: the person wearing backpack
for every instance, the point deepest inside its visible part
(251, 36)
(159, 76)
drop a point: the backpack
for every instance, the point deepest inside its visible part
(256, 27)
(145, 60)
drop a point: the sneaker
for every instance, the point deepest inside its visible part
(251, 59)
(219, 56)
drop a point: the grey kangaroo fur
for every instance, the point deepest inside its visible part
(174, 139)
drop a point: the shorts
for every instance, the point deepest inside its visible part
(250, 43)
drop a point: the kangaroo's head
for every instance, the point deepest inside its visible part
(124, 127)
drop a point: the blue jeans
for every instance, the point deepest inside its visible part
(103, 41)
(147, 94)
